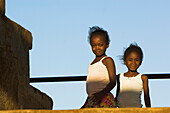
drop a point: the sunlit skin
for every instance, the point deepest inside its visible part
(99, 47)
(133, 62)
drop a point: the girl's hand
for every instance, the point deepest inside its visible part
(98, 96)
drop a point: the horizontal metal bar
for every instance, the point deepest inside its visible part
(83, 78)
(158, 76)
(58, 79)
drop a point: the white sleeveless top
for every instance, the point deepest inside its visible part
(130, 91)
(97, 78)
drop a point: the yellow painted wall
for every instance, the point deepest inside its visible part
(96, 110)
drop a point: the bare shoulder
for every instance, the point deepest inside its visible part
(107, 60)
(144, 77)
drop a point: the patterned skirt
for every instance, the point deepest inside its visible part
(106, 102)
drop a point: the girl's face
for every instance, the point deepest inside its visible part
(98, 45)
(132, 61)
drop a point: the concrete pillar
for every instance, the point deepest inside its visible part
(2, 7)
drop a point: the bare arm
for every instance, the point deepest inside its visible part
(109, 63)
(146, 91)
(118, 88)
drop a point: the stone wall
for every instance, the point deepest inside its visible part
(15, 91)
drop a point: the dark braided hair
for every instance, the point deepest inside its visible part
(98, 31)
(133, 48)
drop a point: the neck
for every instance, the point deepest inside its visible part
(130, 72)
(101, 56)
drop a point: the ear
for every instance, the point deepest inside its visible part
(107, 45)
(125, 62)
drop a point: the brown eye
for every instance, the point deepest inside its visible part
(100, 44)
(129, 59)
(137, 59)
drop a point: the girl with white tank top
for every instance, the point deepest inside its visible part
(101, 78)
(130, 91)
(131, 83)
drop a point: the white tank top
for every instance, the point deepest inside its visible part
(97, 78)
(130, 91)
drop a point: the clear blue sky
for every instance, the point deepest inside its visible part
(60, 47)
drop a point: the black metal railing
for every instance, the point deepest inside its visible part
(83, 78)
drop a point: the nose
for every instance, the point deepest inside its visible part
(133, 62)
(97, 47)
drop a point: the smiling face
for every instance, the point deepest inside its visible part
(98, 45)
(132, 61)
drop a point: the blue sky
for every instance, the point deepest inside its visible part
(60, 47)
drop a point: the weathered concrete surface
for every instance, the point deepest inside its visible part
(96, 110)
(15, 91)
